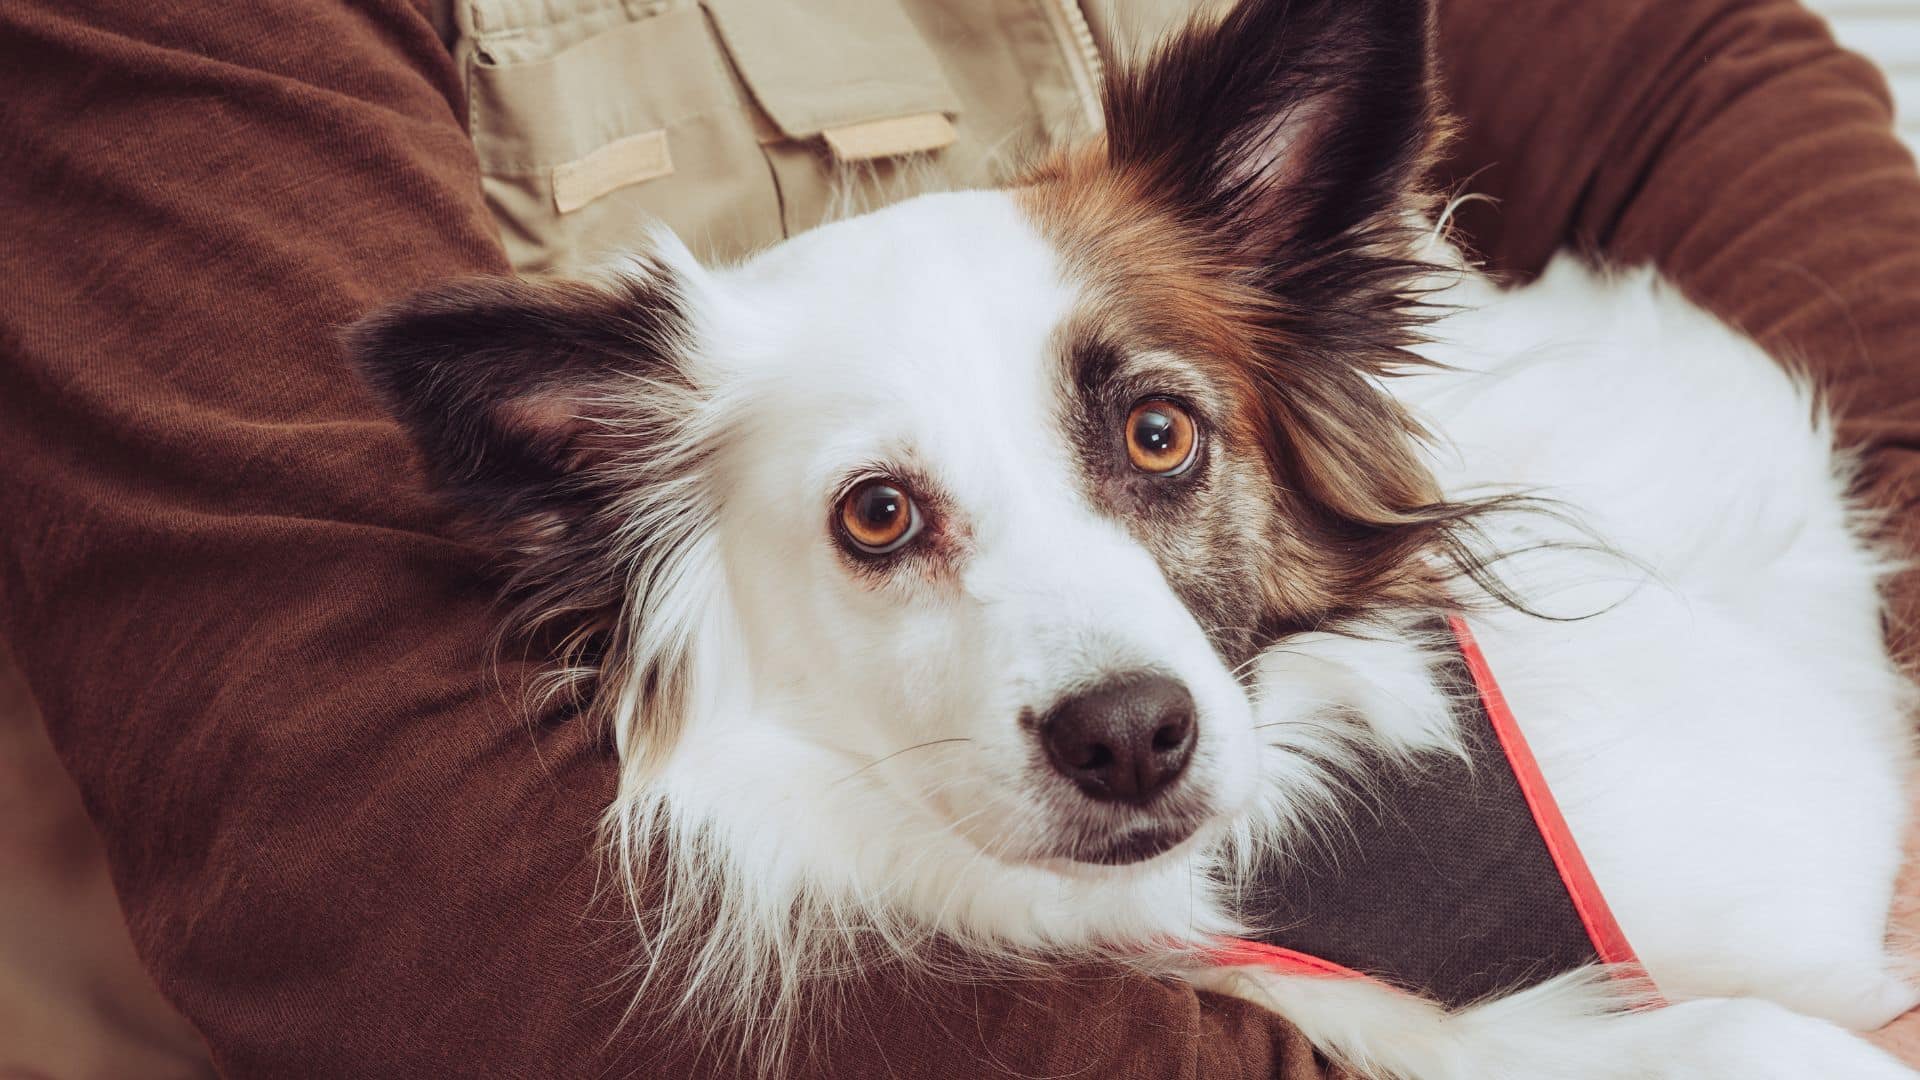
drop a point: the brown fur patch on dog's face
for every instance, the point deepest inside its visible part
(1275, 529)
(1214, 528)
(1244, 226)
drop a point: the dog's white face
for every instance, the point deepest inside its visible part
(932, 530)
(944, 539)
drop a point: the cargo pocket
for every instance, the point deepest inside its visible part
(735, 122)
(625, 123)
(854, 109)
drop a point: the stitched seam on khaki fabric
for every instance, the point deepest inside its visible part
(1082, 58)
(554, 17)
(618, 164)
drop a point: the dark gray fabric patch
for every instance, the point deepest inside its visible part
(1440, 883)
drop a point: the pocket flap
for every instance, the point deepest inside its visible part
(815, 65)
(638, 77)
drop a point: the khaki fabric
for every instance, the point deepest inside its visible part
(739, 123)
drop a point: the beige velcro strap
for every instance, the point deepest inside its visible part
(893, 137)
(615, 165)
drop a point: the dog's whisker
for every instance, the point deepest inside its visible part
(898, 753)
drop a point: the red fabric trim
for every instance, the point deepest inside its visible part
(1235, 951)
(1608, 939)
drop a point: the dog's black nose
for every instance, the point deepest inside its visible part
(1123, 740)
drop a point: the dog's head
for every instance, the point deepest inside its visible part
(980, 505)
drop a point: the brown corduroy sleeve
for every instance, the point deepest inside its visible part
(1734, 145)
(341, 851)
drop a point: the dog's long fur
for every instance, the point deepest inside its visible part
(831, 758)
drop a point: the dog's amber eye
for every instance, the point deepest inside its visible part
(1160, 437)
(878, 516)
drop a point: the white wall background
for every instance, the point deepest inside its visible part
(1889, 32)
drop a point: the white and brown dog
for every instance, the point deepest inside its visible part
(1009, 569)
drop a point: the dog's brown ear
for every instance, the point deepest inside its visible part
(507, 385)
(548, 411)
(1252, 206)
(1284, 125)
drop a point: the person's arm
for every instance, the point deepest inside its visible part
(341, 848)
(1733, 144)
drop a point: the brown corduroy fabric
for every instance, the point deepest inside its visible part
(341, 851)
(1731, 143)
